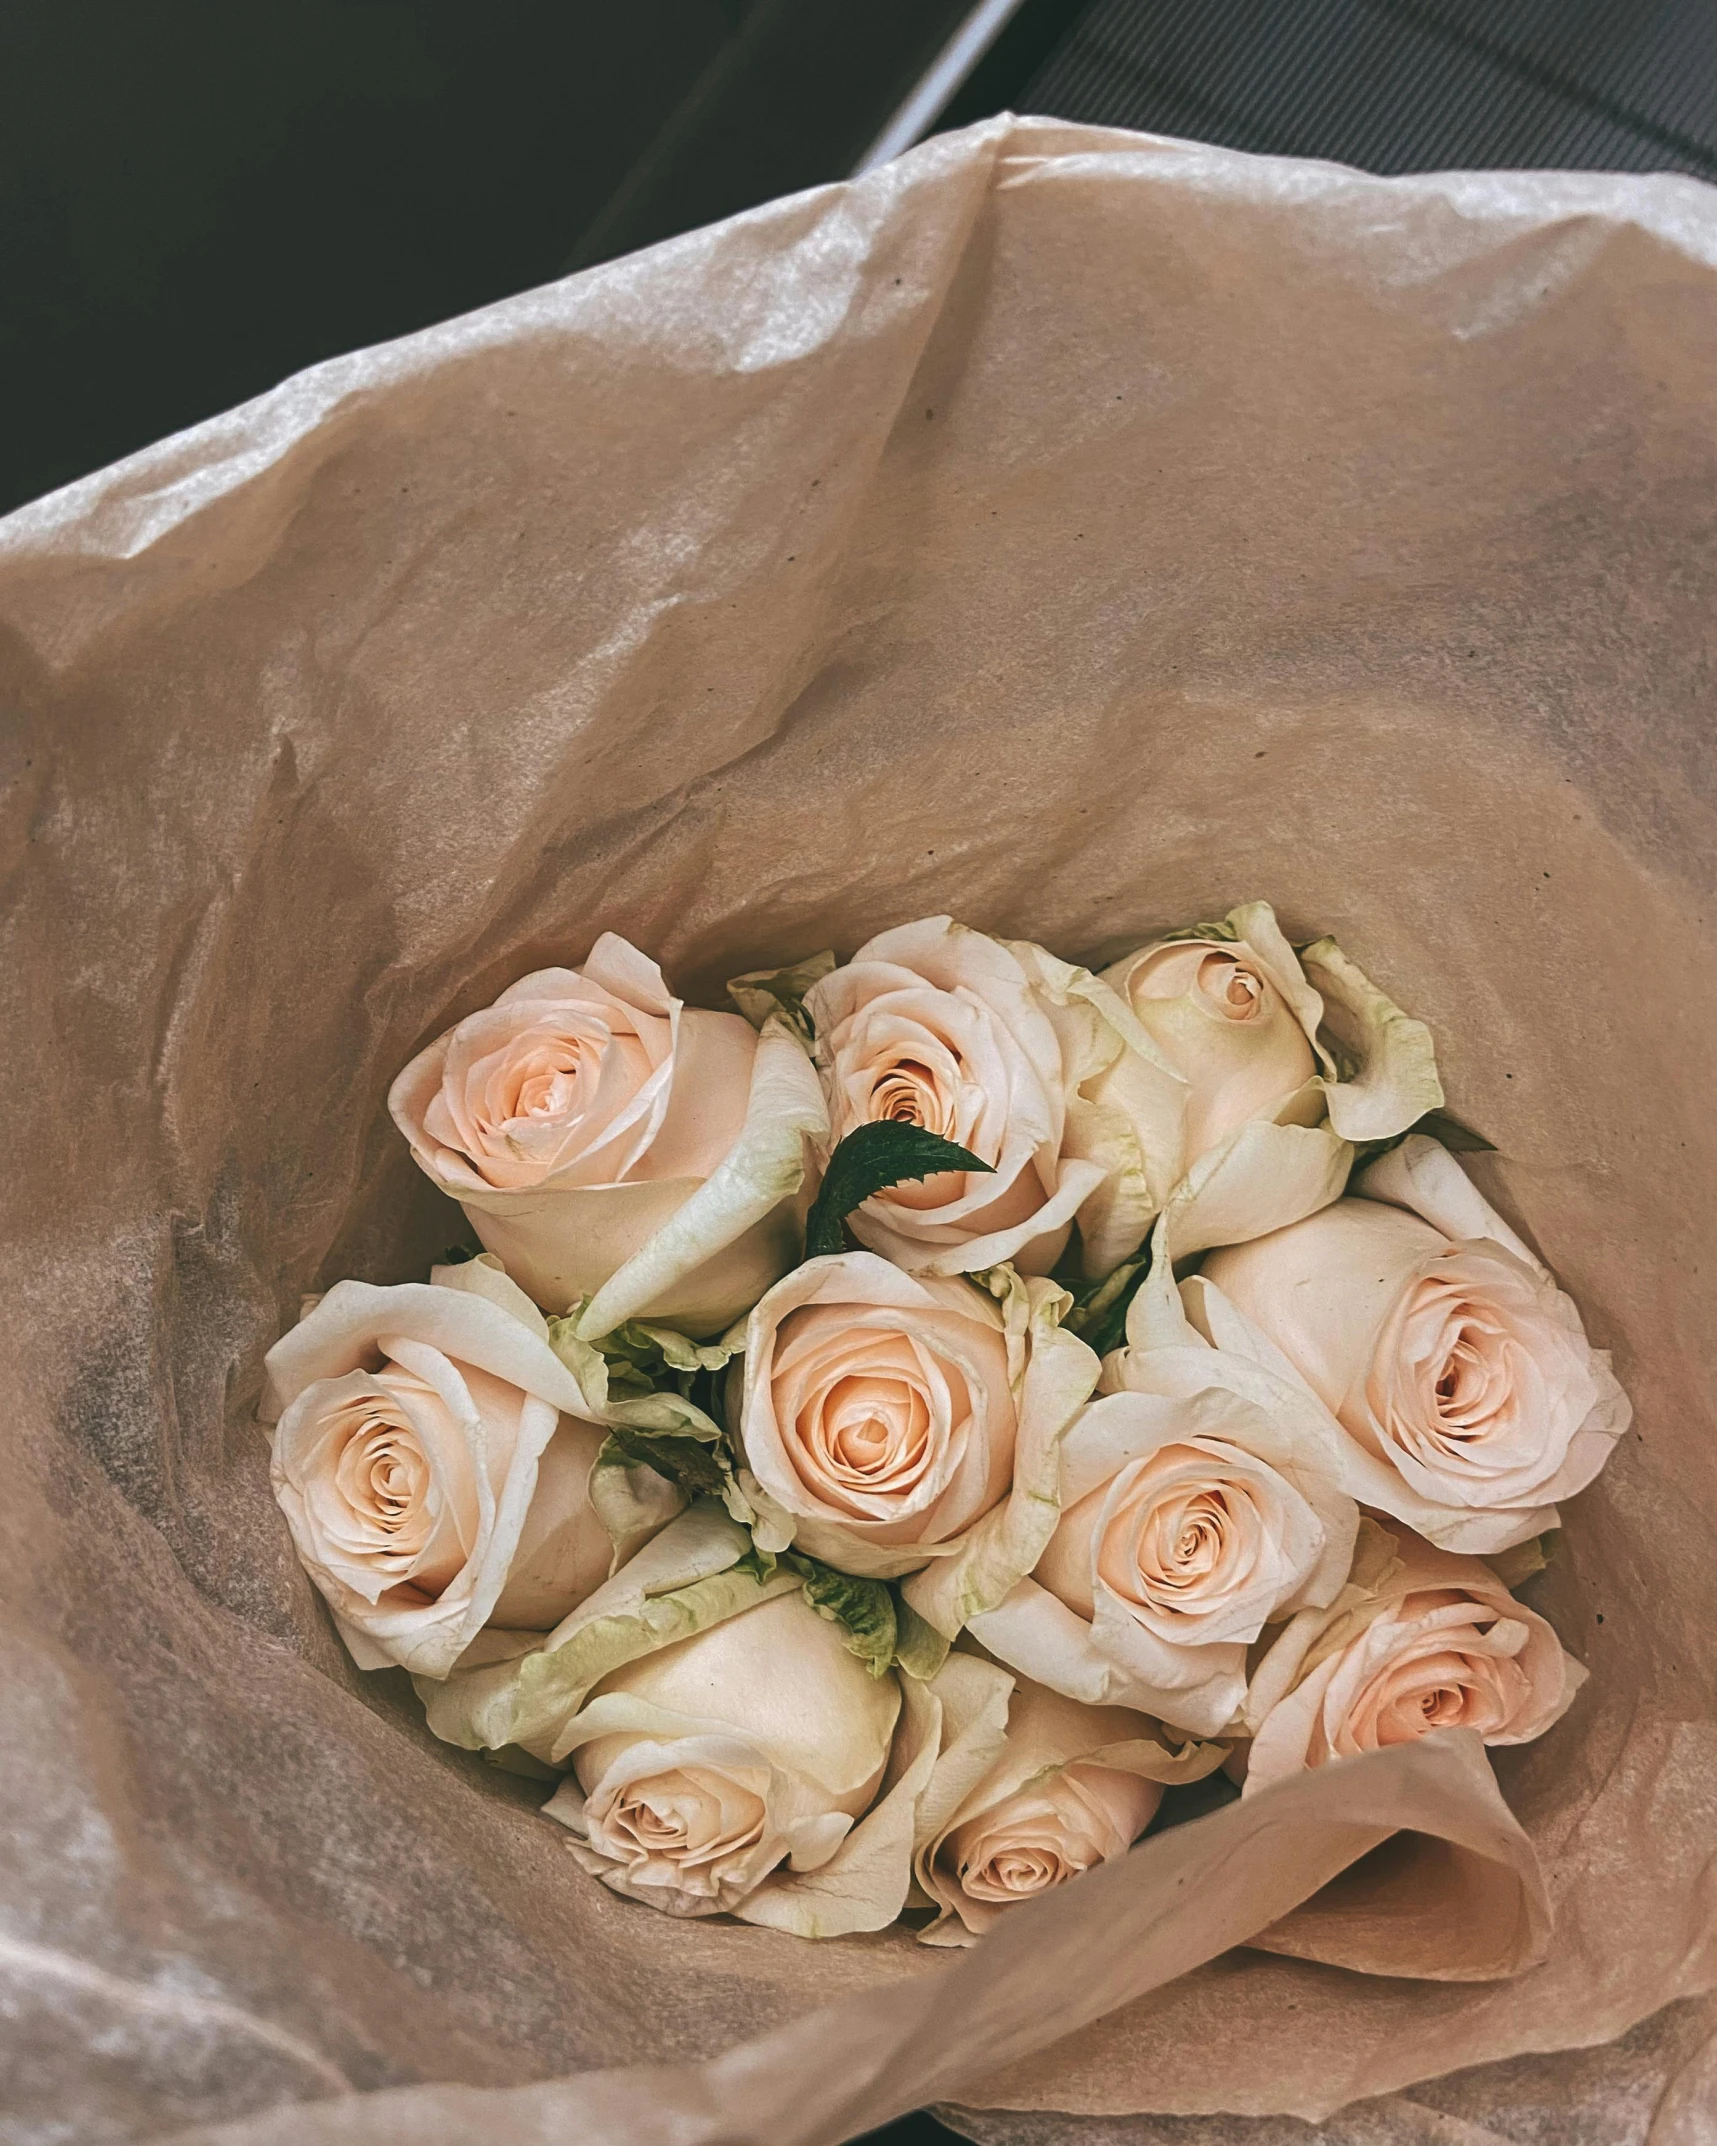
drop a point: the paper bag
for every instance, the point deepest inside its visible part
(1069, 530)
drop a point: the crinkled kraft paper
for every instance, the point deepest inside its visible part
(1071, 530)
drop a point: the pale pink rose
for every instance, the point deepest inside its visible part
(1255, 1070)
(432, 1456)
(877, 1409)
(1460, 1372)
(709, 1771)
(1230, 1032)
(1422, 1641)
(1067, 1787)
(588, 1109)
(909, 1424)
(990, 1045)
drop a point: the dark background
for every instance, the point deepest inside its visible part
(199, 197)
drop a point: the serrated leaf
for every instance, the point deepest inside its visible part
(870, 1159)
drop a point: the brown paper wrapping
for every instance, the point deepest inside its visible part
(1075, 531)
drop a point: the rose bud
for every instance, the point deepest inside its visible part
(1199, 1502)
(1236, 1096)
(609, 1142)
(1032, 1790)
(906, 1421)
(1460, 1372)
(1419, 1640)
(989, 1044)
(432, 1455)
(730, 1773)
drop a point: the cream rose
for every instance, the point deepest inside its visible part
(432, 1456)
(1419, 1640)
(610, 1143)
(990, 1044)
(906, 1421)
(1032, 1789)
(1262, 1067)
(1200, 1501)
(730, 1773)
(1459, 1371)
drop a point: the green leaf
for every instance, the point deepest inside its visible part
(1459, 1139)
(870, 1159)
(695, 1466)
(864, 1607)
(1099, 1314)
(782, 991)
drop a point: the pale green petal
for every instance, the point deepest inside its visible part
(764, 1168)
(684, 1580)
(999, 1549)
(1393, 1081)
(762, 992)
(1097, 1031)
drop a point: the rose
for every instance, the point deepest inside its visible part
(1419, 1640)
(608, 1142)
(433, 1456)
(903, 1421)
(1237, 1098)
(990, 1044)
(703, 1768)
(1032, 1789)
(1461, 1374)
(1200, 1501)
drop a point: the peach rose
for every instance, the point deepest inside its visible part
(731, 1772)
(1459, 1371)
(433, 1456)
(1200, 1501)
(1032, 1790)
(1419, 1640)
(1262, 1066)
(610, 1143)
(991, 1044)
(903, 1421)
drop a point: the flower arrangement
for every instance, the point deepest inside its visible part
(896, 1431)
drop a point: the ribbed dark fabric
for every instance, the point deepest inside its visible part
(1402, 85)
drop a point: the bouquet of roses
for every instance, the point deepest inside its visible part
(895, 1431)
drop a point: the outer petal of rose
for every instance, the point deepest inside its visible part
(1105, 1049)
(864, 1884)
(1004, 1545)
(1032, 1631)
(462, 1322)
(1422, 1176)
(1261, 1178)
(1395, 1082)
(741, 1223)
(514, 1688)
(1075, 1183)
